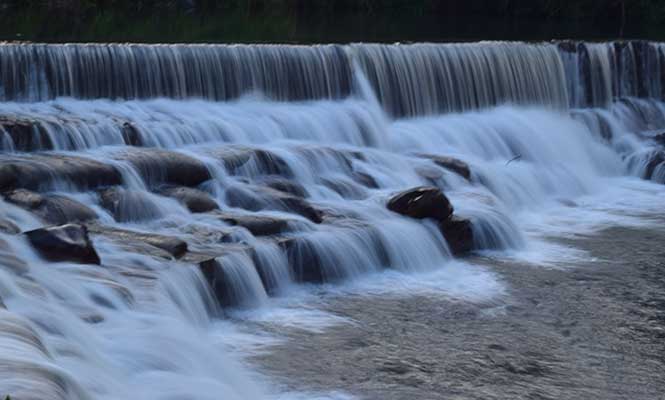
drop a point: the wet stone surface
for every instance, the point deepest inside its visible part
(592, 330)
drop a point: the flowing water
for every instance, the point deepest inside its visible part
(315, 140)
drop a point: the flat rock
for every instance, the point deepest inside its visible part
(64, 243)
(422, 202)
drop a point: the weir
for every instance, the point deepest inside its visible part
(203, 179)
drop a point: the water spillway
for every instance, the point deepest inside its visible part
(147, 190)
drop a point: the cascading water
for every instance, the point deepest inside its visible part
(211, 177)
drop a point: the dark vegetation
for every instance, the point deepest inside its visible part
(328, 20)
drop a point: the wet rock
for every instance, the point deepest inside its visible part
(25, 135)
(655, 162)
(9, 227)
(220, 281)
(458, 232)
(365, 179)
(422, 202)
(131, 135)
(197, 201)
(158, 166)
(252, 161)
(39, 171)
(258, 225)
(256, 198)
(10, 260)
(64, 243)
(128, 205)
(452, 164)
(284, 185)
(173, 246)
(345, 188)
(53, 209)
(305, 262)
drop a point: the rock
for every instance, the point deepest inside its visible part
(53, 209)
(452, 164)
(345, 188)
(10, 261)
(365, 179)
(252, 161)
(26, 135)
(64, 243)
(284, 185)
(258, 225)
(305, 262)
(256, 198)
(37, 171)
(659, 138)
(158, 166)
(9, 227)
(656, 159)
(172, 245)
(422, 202)
(458, 232)
(128, 205)
(197, 201)
(220, 282)
(131, 135)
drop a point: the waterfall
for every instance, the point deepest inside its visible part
(214, 178)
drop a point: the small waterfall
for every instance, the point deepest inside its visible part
(212, 177)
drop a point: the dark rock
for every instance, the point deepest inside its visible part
(64, 243)
(452, 164)
(158, 166)
(39, 171)
(458, 233)
(172, 245)
(53, 209)
(128, 205)
(26, 135)
(256, 198)
(131, 135)
(422, 202)
(220, 281)
(659, 138)
(258, 225)
(197, 201)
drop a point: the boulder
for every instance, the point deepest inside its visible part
(452, 164)
(422, 202)
(158, 166)
(197, 201)
(458, 232)
(53, 209)
(173, 246)
(38, 171)
(64, 243)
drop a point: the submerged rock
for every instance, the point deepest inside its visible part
(197, 201)
(458, 232)
(422, 202)
(53, 209)
(64, 243)
(452, 164)
(8, 227)
(256, 198)
(26, 135)
(128, 205)
(305, 262)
